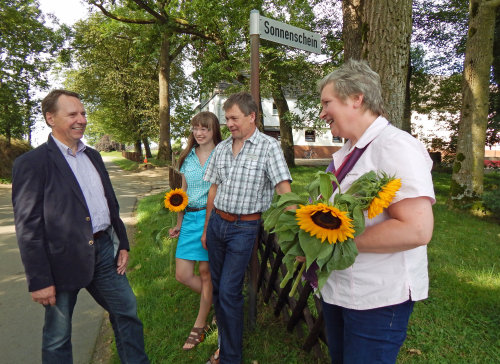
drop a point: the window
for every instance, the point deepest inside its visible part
(336, 139)
(310, 136)
(275, 109)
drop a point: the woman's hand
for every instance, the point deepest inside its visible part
(174, 232)
(204, 239)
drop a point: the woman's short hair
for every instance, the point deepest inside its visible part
(355, 78)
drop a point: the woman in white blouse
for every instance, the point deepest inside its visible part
(367, 306)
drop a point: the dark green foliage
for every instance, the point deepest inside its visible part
(27, 48)
(491, 194)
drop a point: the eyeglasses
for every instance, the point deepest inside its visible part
(199, 130)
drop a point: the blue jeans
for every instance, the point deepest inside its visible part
(230, 246)
(366, 336)
(113, 292)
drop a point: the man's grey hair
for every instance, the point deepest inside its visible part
(356, 78)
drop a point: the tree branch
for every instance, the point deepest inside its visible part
(178, 50)
(148, 9)
(120, 18)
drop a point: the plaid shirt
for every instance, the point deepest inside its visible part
(197, 188)
(246, 183)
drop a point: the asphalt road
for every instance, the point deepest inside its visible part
(21, 319)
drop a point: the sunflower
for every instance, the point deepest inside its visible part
(384, 197)
(176, 200)
(325, 222)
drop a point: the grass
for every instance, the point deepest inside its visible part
(457, 324)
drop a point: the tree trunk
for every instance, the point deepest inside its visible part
(468, 168)
(406, 125)
(285, 127)
(137, 147)
(386, 45)
(147, 149)
(164, 147)
(352, 31)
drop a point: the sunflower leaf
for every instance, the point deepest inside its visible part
(343, 256)
(359, 220)
(313, 188)
(286, 245)
(272, 218)
(325, 186)
(296, 251)
(289, 261)
(310, 245)
(289, 198)
(322, 277)
(325, 254)
(367, 179)
(287, 235)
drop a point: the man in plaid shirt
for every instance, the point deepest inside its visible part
(244, 170)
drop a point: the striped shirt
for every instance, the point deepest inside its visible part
(246, 183)
(90, 183)
(197, 188)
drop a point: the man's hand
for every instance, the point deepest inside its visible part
(122, 261)
(45, 296)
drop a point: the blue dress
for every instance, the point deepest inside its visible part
(189, 245)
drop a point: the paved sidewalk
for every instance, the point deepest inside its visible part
(21, 320)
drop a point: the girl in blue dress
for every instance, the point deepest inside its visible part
(205, 135)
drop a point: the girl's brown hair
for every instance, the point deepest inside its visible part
(204, 119)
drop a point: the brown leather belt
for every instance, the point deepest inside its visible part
(233, 217)
(99, 234)
(193, 209)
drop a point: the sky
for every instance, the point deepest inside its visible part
(68, 12)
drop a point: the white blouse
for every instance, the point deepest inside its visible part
(377, 280)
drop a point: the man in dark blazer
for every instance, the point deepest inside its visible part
(70, 234)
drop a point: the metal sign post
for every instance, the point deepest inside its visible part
(254, 57)
(275, 31)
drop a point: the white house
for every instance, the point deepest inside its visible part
(308, 142)
(319, 143)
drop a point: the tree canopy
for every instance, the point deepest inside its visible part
(27, 47)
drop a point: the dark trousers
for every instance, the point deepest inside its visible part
(366, 336)
(230, 246)
(113, 292)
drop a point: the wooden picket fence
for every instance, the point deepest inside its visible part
(133, 156)
(303, 311)
(265, 273)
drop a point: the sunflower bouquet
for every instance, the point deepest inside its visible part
(322, 231)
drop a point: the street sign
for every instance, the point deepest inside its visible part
(283, 33)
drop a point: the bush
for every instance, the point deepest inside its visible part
(105, 144)
(491, 194)
(8, 153)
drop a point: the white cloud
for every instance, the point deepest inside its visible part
(67, 11)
